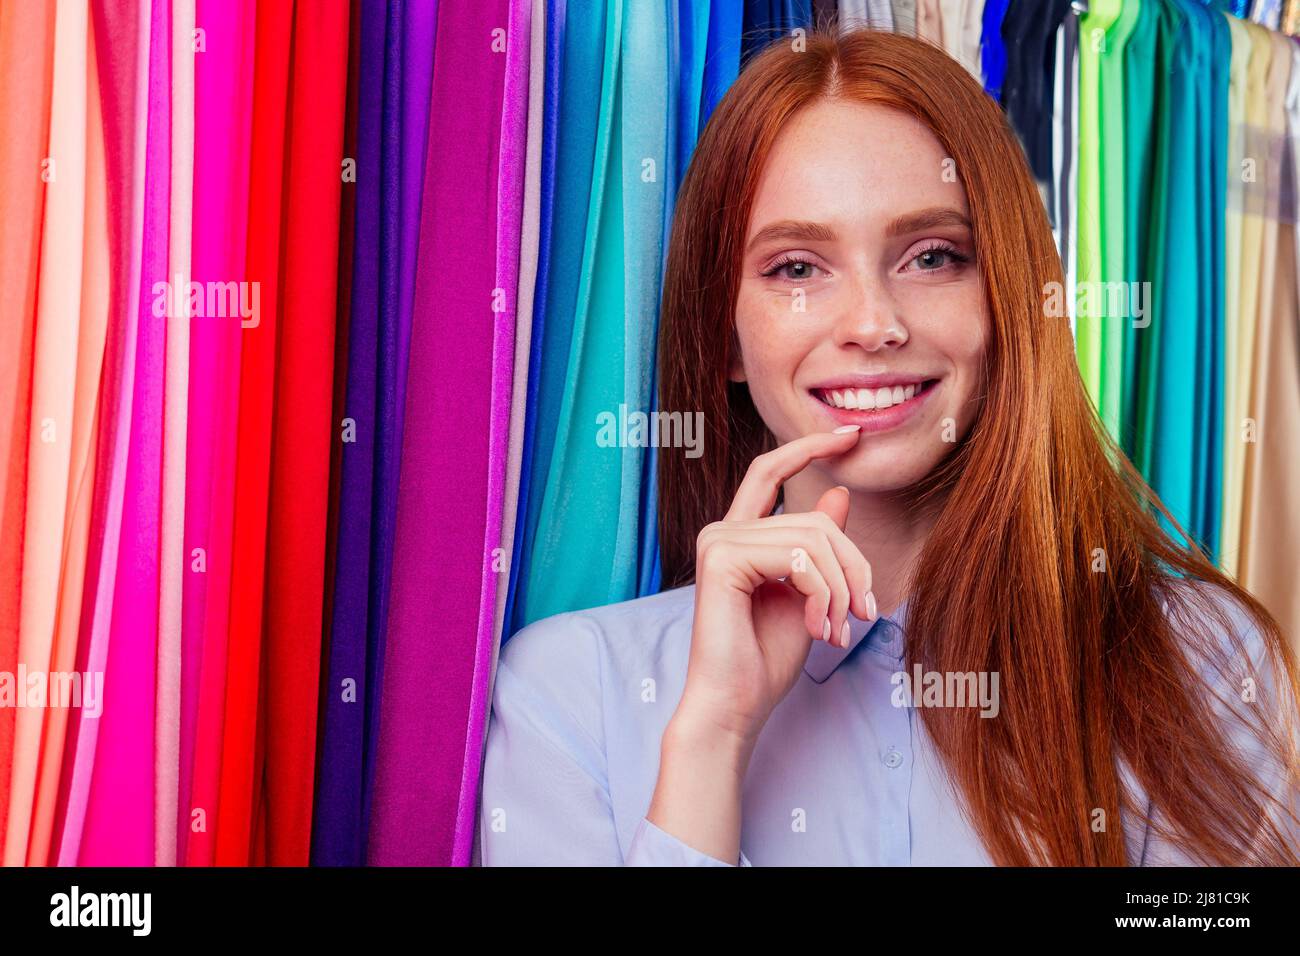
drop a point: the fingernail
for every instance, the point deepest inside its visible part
(844, 635)
(845, 429)
(826, 630)
(871, 606)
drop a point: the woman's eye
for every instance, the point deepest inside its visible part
(935, 258)
(794, 270)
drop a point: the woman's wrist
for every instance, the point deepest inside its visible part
(698, 794)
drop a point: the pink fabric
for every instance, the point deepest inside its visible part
(223, 108)
(121, 40)
(167, 736)
(119, 828)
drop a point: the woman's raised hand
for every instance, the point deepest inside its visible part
(766, 586)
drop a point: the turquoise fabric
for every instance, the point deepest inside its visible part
(559, 269)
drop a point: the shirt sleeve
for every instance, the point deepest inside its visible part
(1248, 693)
(545, 797)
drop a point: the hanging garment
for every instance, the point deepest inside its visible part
(338, 836)
(576, 100)
(1253, 221)
(223, 108)
(53, 400)
(1139, 75)
(171, 545)
(904, 16)
(444, 482)
(1235, 191)
(993, 52)
(119, 824)
(529, 241)
(1090, 316)
(1269, 509)
(1212, 141)
(26, 77)
(238, 788)
(302, 430)
(93, 328)
(581, 535)
(1119, 285)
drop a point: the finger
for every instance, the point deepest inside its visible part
(834, 503)
(856, 568)
(759, 563)
(757, 492)
(807, 544)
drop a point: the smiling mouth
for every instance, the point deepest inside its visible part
(873, 399)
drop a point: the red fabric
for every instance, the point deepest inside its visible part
(300, 456)
(237, 787)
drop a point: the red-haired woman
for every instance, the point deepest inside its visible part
(962, 638)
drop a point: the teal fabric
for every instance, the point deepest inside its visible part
(581, 502)
(648, 126)
(1167, 384)
(1215, 140)
(579, 103)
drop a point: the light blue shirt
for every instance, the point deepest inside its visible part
(842, 774)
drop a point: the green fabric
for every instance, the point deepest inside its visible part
(1088, 318)
(1114, 233)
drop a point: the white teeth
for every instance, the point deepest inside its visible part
(870, 398)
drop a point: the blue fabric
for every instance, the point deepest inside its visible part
(722, 60)
(993, 52)
(555, 42)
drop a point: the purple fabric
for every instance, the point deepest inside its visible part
(510, 202)
(436, 592)
(393, 113)
(337, 836)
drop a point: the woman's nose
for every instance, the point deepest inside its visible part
(869, 314)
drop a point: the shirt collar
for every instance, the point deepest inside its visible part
(884, 635)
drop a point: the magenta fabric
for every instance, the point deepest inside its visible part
(433, 625)
(222, 92)
(119, 827)
(510, 202)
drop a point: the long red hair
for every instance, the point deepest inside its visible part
(1129, 664)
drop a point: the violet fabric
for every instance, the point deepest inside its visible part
(438, 553)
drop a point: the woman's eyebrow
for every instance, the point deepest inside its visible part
(927, 219)
(793, 229)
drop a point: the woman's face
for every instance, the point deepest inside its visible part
(860, 299)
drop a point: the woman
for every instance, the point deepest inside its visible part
(858, 297)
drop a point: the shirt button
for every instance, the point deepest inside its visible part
(893, 758)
